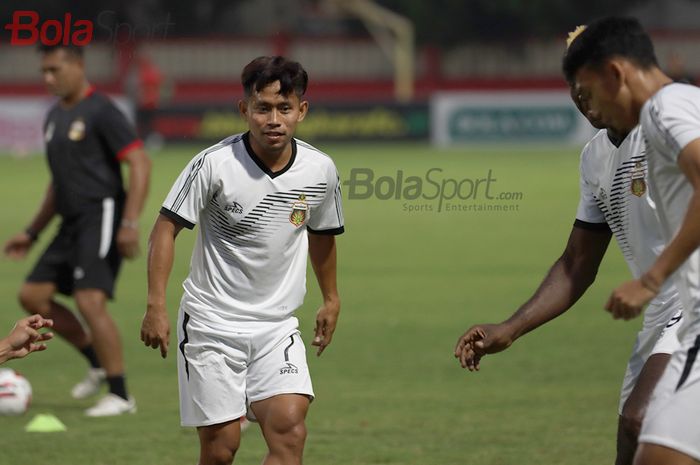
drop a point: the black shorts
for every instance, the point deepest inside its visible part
(84, 253)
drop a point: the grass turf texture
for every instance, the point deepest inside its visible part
(388, 389)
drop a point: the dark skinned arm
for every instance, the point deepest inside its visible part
(564, 284)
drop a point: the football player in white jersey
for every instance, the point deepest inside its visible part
(263, 201)
(614, 65)
(614, 201)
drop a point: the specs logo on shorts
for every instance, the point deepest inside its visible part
(235, 207)
(290, 369)
(78, 273)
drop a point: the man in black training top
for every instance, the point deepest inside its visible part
(86, 139)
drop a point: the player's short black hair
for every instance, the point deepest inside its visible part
(71, 49)
(606, 38)
(265, 70)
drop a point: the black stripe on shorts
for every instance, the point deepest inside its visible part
(692, 355)
(184, 341)
(286, 350)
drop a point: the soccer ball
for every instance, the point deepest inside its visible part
(15, 392)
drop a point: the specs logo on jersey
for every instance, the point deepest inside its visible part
(299, 211)
(638, 186)
(289, 369)
(235, 207)
(77, 130)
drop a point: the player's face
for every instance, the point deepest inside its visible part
(272, 118)
(606, 97)
(583, 107)
(63, 72)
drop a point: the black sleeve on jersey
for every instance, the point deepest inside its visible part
(327, 232)
(602, 227)
(115, 130)
(176, 218)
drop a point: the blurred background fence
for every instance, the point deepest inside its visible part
(378, 70)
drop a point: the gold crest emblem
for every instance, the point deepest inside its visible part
(299, 211)
(638, 185)
(77, 130)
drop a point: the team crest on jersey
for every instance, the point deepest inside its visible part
(50, 128)
(638, 185)
(77, 130)
(299, 211)
(601, 194)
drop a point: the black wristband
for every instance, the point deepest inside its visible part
(33, 235)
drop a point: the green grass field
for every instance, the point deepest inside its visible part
(388, 389)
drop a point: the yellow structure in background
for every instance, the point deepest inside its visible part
(394, 34)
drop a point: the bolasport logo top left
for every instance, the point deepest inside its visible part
(27, 28)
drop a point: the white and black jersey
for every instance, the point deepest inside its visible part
(670, 121)
(615, 195)
(249, 260)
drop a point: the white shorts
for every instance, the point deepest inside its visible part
(661, 339)
(222, 372)
(672, 417)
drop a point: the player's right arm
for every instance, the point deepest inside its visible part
(561, 288)
(155, 328)
(671, 124)
(186, 199)
(18, 246)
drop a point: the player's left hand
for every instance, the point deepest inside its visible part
(628, 300)
(480, 340)
(128, 242)
(326, 320)
(25, 337)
